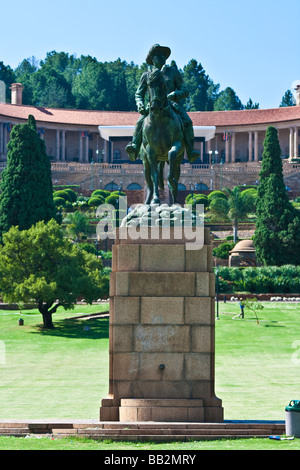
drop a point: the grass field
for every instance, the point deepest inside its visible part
(64, 373)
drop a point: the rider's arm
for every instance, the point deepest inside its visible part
(180, 92)
(140, 94)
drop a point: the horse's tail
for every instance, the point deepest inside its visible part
(161, 175)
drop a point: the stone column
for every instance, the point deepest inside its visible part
(57, 145)
(162, 342)
(250, 146)
(296, 149)
(80, 146)
(1, 138)
(209, 147)
(86, 156)
(233, 147)
(227, 151)
(256, 146)
(63, 145)
(291, 143)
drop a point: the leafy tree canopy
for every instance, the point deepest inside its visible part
(277, 234)
(26, 184)
(66, 81)
(287, 100)
(40, 265)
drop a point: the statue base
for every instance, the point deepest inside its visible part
(162, 342)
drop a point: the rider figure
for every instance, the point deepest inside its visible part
(176, 90)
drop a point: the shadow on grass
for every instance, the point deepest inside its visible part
(96, 328)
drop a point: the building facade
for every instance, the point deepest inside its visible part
(88, 147)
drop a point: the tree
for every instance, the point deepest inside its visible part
(197, 82)
(251, 105)
(240, 204)
(7, 75)
(51, 89)
(79, 225)
(24, 73)
(92, 88)
(254, 306)
(228, 100)
(39, 265)
(287, 100)
(235, 208)
(117, 75)
(277, 234)
(26, 181)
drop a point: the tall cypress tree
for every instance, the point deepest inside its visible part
(277, 234)
(26, 184)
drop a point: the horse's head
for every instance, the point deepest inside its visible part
(157, 92)
(156, 107)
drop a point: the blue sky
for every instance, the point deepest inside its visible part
(252, 46)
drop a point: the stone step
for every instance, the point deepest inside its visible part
(143, 430)
(14, 431)
(161, 437)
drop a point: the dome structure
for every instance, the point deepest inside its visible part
(244, 246)
(243, 254)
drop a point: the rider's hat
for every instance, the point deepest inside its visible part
(166, 51)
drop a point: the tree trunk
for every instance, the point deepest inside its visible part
(235, 231)
(47, 319)
(47, 315)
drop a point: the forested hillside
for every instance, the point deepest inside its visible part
(66, 81)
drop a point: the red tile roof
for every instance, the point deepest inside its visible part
(120, 118)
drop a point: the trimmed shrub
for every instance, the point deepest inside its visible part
(260, 280)
(101, 192)
(96, 201)
(194, 199)
(72, 194)
(215, 194)
(59, 201)
(222, 251)
(63, 194)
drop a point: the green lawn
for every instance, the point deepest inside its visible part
(64, 373)
(60, 373)
(258, 365)
(73, 443)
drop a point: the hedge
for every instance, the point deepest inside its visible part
(260, 280)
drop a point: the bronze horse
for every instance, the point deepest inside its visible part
(163, 140)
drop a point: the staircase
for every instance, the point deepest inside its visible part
(143, 431)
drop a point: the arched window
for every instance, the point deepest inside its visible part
(111, 186)
(201, 187)
(134, 186)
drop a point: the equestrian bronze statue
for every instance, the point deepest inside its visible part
(164, 130)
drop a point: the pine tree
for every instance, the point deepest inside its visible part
(26, 184)
(277, 234)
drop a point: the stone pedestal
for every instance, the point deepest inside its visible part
(162, 337)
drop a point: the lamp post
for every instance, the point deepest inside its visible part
(221, 163)
(213, 153)
(92, 176)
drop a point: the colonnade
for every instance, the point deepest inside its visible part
(231, 154)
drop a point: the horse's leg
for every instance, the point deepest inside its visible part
(161, 175)
(148, 179)
(154, 174)
(173, 170)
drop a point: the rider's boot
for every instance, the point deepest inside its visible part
(192, 153)
(132, 151)
(133, 148)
